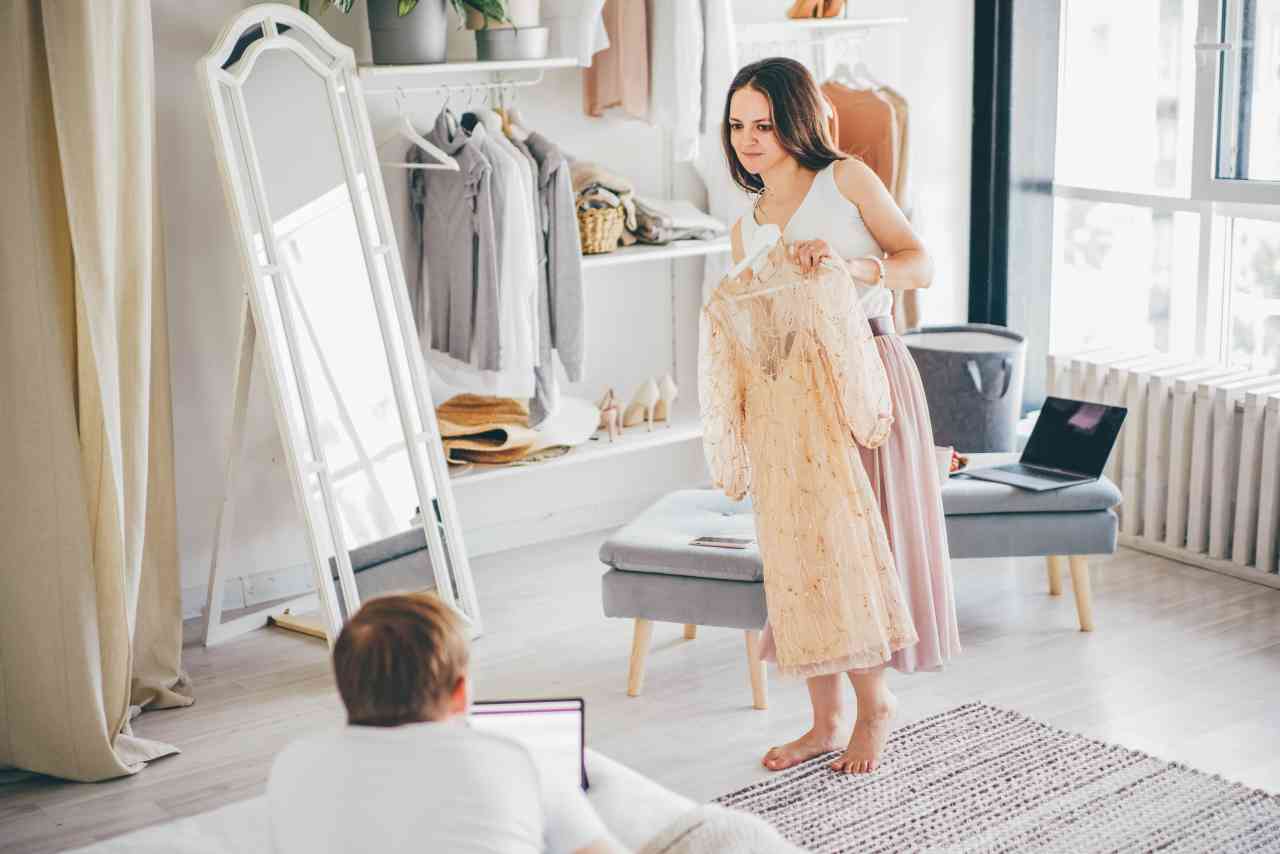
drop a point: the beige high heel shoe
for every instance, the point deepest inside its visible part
(805, 9)
(642, 405)
(831, 9)
(667, 392)
(609, 415)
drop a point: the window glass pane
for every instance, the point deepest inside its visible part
(1121, 277)
(1249, 120)
(1126, 95)
(1255, 294)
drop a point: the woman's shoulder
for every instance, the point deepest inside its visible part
(851, 175)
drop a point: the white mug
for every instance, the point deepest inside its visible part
(944, 462)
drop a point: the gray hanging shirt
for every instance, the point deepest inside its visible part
(564, 326)
(457, 279)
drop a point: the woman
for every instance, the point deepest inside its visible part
(827, 204)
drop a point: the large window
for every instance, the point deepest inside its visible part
(1167, 179)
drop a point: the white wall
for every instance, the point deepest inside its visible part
(630, 335)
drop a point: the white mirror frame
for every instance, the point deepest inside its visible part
(246, 196)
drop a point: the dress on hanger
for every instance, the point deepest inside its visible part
(789, 383)
(902, 471)
(678, 72)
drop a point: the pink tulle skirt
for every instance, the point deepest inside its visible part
(904, 476)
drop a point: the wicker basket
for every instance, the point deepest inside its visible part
(600, 229)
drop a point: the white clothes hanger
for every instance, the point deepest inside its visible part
(404, 130)
(766, 237)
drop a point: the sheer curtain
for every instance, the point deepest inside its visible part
(90, 616)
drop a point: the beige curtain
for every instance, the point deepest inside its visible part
(90, 617)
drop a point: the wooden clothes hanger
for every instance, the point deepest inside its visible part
(404, 130)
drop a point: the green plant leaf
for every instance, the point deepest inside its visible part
(304, 6)
(404, 7)
(344, 5)
(493, 10)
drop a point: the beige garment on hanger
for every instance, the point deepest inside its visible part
(619, 74)
(789, 379)
(906, 304)
(868, 128)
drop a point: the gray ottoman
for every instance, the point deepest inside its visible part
(655, 575)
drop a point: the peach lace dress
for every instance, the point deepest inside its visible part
(789, 379)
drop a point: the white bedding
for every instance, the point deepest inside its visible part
(633, 807)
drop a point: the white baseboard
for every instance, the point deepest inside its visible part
(1226, 567)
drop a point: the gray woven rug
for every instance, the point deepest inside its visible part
(978, 778)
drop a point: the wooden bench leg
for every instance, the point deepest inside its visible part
(1084, 595)
(759, 675)
(1055, 575)
(639, 649)
(690, 631)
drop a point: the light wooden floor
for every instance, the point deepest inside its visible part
(1185, 665)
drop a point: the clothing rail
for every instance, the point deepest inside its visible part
(450, 89)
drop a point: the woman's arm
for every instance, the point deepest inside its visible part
(908, 265)
(735, 242)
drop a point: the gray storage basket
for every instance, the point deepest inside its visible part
(972, 375)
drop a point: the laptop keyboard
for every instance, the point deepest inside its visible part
(1019, 468)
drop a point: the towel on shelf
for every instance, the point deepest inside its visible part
(665, 220)
(597, 196)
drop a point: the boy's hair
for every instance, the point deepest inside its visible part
(399, 658)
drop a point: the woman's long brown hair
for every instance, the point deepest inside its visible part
(797, 107)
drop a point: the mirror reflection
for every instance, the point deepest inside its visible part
(325, 293)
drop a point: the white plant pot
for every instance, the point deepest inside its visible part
(523, 13)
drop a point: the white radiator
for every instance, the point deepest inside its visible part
(1198, 459)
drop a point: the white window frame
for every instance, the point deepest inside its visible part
(1217, 201)
(1212, 40)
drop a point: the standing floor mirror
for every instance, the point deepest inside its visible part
(327, 309)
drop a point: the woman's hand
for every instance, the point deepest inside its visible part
(810, 253)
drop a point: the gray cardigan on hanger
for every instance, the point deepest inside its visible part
(458, 274)
(562, 321)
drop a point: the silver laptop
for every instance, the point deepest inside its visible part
(554, 730)
(1069, 444)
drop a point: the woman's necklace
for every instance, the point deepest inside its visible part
(757, 209)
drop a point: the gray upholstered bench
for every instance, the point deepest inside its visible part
(654, 574)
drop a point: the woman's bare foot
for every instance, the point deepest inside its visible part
(812, 743)
(870, 733)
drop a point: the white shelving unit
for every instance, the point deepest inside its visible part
(683, 428)
(685, 424)
(787, 28)
(444, 69)
(639, 254)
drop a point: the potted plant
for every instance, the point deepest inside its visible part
(482, 15)
(506, 29)
(415, 32)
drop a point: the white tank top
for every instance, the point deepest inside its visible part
(825, 214)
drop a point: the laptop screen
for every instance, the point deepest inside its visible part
(1074, 435)
(553, 730)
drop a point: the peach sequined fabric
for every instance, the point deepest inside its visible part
(789, 378)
